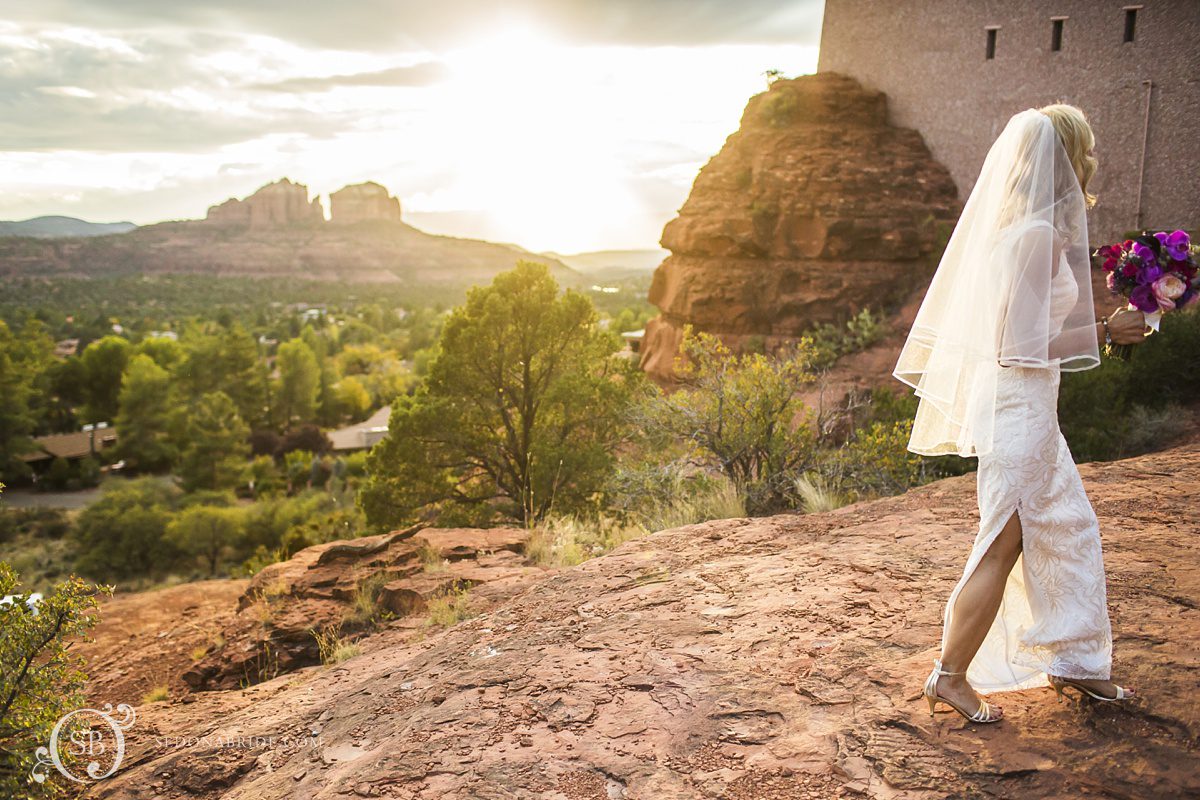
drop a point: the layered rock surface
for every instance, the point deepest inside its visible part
(272, 631)
(771, 658)
(813, 209)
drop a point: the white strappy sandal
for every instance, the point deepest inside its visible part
(983, 714)
(1058, 684)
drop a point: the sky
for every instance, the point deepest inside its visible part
(565, 125)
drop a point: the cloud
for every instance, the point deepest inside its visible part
(57, 122)
(383, 24)
(417, 75)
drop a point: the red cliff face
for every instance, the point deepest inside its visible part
(814, 208)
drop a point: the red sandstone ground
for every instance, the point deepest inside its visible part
(767, 658)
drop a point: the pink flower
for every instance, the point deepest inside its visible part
(1167, 289)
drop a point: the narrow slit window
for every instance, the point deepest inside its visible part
(1130, 23)
(991, 43)
(1056, 32)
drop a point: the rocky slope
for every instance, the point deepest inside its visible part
(278, 232)
(769, 658)
(815, 208)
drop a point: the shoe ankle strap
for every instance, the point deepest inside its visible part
(937, 665)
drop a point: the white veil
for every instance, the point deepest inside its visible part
(1013, 289)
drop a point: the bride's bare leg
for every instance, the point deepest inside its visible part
(974, 610)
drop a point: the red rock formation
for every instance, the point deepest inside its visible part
(778, 657)
(361, 202)
(276, 204)
(815, 208)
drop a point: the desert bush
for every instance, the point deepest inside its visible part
(830, 342)
(36, 522)
(738, 415)
(40, 679)
(123, 534)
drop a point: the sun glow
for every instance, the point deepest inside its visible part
(530, 150)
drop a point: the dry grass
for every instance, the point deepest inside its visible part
(365, 608)
(333, 648)
(156, 695)
(818, 494)
(451, 607)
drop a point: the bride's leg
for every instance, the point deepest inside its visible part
(974, 610)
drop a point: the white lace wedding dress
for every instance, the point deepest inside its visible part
(1054, 614)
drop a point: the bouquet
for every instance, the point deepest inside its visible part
(1154, 272)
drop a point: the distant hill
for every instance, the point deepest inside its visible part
(51, 227)
(612, 263)
(278, 232)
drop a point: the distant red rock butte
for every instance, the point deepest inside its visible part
(285, 203)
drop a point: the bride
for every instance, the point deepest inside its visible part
(1008, 310)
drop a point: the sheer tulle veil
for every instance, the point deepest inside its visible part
(1013, 289)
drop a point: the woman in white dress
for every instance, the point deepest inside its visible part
(1008, 310)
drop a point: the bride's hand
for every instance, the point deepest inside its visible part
(1127, 326)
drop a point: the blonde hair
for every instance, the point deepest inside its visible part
(1077, 137)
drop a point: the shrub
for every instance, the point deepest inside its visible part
(831, 342)
(123, 534)
(40, 680)
(739, 416)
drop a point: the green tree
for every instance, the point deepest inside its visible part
(16, 419)
(229, 362)
(104, 363)
(142, 435)
(299, 382)
(215, 447)
(522, 410)
(40, 679)
(208, 532)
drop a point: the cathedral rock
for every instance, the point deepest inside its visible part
(813, 209)
(276, 204)
(360, 202)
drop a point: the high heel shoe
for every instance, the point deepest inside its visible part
(1058, 684)
(985, 712)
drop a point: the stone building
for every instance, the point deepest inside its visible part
(956, 71)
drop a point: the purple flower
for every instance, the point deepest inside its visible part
(1143, 299)
(1175, 243)
(1149, 273)
(1143, 252)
